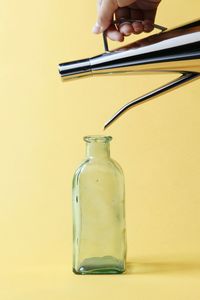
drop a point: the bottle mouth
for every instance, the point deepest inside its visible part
(97, 138)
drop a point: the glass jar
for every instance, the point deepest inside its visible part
(99, 238)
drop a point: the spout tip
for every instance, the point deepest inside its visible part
(107, 124)
(115, 116)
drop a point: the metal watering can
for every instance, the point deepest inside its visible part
(170, 51)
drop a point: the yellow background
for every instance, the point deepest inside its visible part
(43, 121)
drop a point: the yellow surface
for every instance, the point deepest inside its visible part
(42, 123)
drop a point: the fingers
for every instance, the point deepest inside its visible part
(136, 14)
(143, 11)
(106, 9)
(113, 34)
(125, 28)
(149, 17)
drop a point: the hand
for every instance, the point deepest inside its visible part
(142, 10)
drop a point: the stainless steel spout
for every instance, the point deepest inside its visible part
(176, 50)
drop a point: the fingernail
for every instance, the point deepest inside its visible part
(97, 28)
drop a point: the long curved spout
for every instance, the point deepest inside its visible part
(181, 80)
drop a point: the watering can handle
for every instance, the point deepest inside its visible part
(121, 21)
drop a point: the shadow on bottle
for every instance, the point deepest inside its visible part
(151, 266)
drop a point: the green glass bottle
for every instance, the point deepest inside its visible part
(99, 236)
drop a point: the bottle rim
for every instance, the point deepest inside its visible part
(97, 138)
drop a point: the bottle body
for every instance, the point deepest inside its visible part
(99, 238)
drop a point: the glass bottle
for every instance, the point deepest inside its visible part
(99, 238)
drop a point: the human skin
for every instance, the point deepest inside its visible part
(143, 11)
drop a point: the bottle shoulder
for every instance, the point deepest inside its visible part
(80, 168)
(117, 165)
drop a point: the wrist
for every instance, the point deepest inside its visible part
(122, 3)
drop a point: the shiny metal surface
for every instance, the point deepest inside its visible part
(185, 78)
(75, 68)
(175, 50)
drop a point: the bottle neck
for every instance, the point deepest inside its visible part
(96, 149)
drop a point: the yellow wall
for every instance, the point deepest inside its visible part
(43, 121)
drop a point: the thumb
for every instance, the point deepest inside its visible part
(105, 15)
